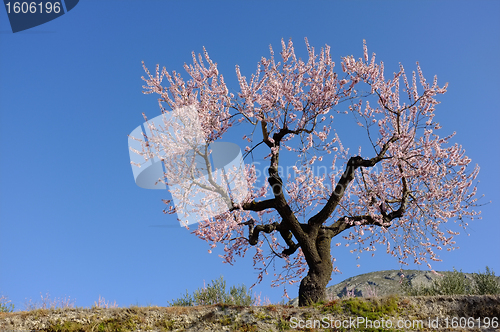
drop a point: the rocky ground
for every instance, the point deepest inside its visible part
(379, 305)
(431, 313)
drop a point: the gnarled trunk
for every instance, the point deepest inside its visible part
(313, 287)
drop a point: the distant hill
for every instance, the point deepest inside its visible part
(380, 283)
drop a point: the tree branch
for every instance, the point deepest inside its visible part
(256, 206)
(347, 177)
(292, 246)
(290, 221)
(345, 222)
(253, 234)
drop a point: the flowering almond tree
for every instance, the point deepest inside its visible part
(400, 192)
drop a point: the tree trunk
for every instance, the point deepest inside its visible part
(313, 287)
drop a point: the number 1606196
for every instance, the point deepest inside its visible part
(470, 322)
(33, 7)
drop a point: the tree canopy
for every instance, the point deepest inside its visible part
(399, 192)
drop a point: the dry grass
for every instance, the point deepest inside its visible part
(47, 303)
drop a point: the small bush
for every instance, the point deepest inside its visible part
(486, 283)
(184, 301)
(456, 283)
(5, 305)
(216, 293)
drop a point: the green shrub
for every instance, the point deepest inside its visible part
(216, 293)
(5, 305)
(453, 283)
(184, 301)
(456, 283)
(486, 283)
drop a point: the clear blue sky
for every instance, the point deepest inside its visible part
(72, 220)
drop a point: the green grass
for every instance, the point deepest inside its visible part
(5, 305)
(215, 293)
(457, 283)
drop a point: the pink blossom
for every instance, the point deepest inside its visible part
(413, 180)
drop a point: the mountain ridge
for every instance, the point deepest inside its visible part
(382, 283)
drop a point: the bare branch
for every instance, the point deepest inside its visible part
(257, 206)
(345, 222)
(253, 234)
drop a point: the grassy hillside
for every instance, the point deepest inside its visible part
(370, 302)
